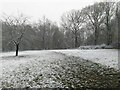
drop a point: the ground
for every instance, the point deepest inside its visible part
(60, 68)
(107, 57)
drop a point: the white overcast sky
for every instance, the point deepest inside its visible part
(36, 9)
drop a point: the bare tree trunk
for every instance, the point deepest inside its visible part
(109, 7)
(118, 23)
(43, 42)
(119, 31)
(95, 42)
(109, 36)
(76, 38)
(43, 39)
(96, 36)
(17, 48)
(76, 42)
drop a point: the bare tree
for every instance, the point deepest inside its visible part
(95, 16)
(118, 20)
(44, 26)
(0, 35)
(118, 14)
(73, 21)
(109, 13)
(16, 29)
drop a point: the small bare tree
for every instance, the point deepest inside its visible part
(16, 29)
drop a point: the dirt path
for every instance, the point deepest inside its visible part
(53, 69)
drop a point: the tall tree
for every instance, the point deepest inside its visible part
(44, 31)
(0, 35)
(118, 21)
(73, 21)
(109, 13)
(95, 16)
(44, 28)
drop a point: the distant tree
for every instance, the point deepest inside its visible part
(73, 21)
(16, 28)
(88, 34)
(109, 13)
(94, 15)
(58, 39)
(0, 35)
(118, 14)
(44, 31)
(118, 21)
(30, 40)
(43, 28)
(49, 34)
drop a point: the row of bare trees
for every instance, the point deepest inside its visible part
(95, 24)
(95, 17)
(18, 33)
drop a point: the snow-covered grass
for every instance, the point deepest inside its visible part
(58, 68)
(108, 57)
(27, 68)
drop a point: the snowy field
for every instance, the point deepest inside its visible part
(28, 66)
(108, 57)
(51, 68)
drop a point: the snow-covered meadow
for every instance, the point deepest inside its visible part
(108, 57)
(59, 68)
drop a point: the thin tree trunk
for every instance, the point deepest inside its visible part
(17, 48)
(118, 23)
(76, 43)
(95, 42)
(96, 36)
(43, 44)
(109, 36)
(44, 36)
(119, 31)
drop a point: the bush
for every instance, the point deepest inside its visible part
(116, 45)
(102, 46)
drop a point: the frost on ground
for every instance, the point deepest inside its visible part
(107, 57)
(30, 68)
(53, 69)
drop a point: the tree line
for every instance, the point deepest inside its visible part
(92, 25)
